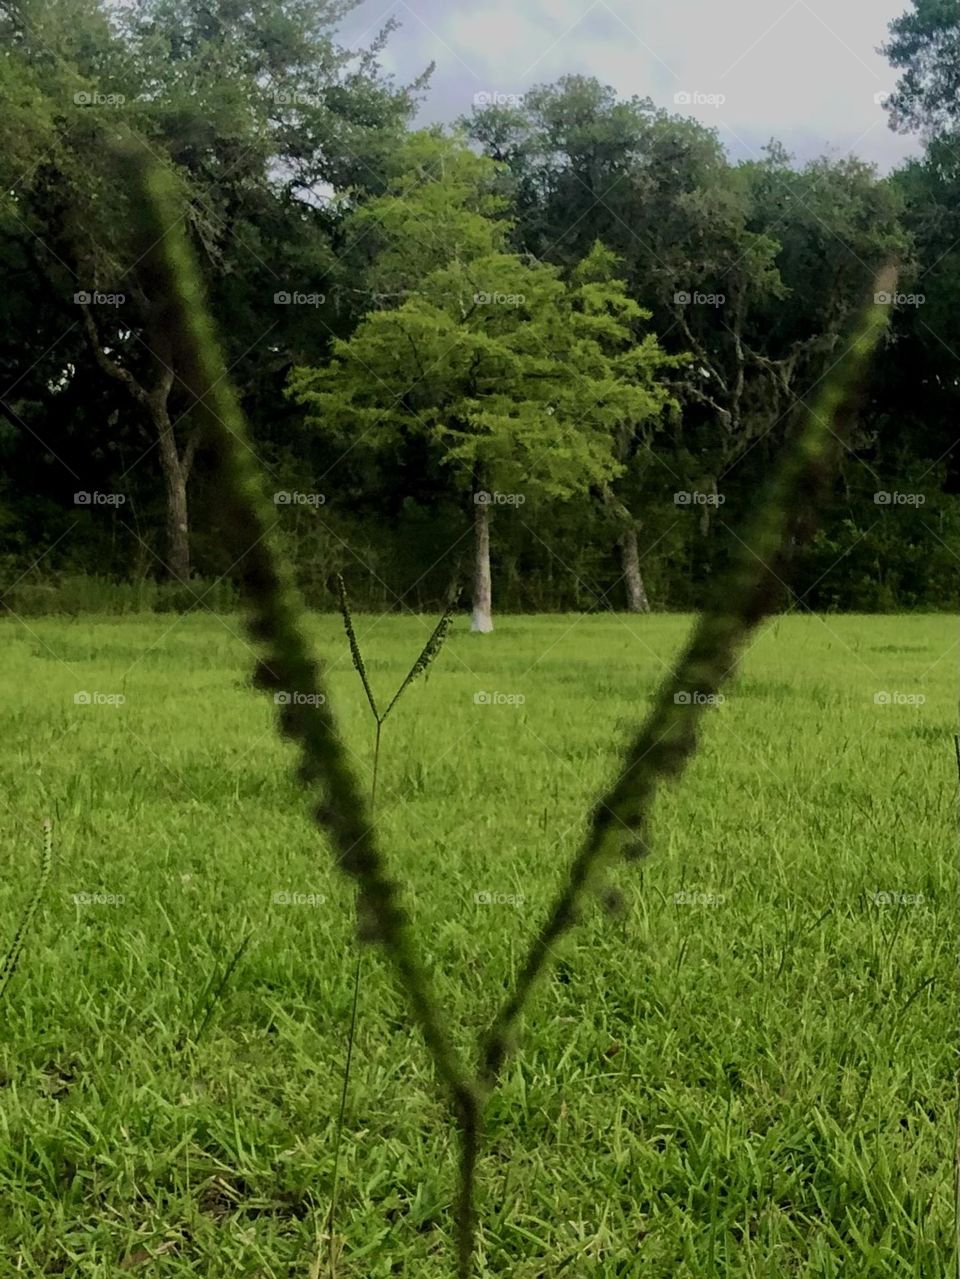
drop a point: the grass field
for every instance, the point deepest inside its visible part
(750, 1073)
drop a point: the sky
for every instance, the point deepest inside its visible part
(804, 71)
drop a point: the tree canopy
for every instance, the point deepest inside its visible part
(578, 299)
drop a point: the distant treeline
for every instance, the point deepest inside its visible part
(567, 328)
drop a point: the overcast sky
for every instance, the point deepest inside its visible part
(804, 71)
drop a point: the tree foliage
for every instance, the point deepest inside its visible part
(676, 307)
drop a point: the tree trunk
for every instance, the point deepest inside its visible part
(482, 585)
(706, 514)
(637, 601)
(176, 470)
(175, 486)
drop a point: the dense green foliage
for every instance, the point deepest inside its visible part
(925, 46)
(343, 251)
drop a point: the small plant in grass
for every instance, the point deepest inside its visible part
(214, 992)
(20, 936)
(618, 826)
(426, 657)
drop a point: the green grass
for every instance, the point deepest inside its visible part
(754, 1079)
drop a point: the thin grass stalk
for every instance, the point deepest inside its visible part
(357, 655)
(354, 643)
(351, 1036)
(12, 958)
(276, 623)
(742, 599)
(618, 825)
(376, 766)
(427, 655)
(217, 994)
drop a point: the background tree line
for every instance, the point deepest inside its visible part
(554, 346)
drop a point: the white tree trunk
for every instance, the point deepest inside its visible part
(482, 585)
(706, 514)
(175, 485)
(637, 601)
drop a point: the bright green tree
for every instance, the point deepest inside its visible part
(519, 383)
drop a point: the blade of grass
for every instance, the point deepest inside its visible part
(427, 655)
(744, 596)
(277, 624)
(26, 919)
(221, 987)
(355, 646)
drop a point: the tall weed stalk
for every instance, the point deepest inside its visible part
(427, 655)
(276, 623)
(618, 824)
(744, 595)
(12, 958)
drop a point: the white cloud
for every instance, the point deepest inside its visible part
(804, 71)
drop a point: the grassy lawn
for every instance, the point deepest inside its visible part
(749, 1073)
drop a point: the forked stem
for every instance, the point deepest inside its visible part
(376, 767)
(423, 661)
(352, 1033)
